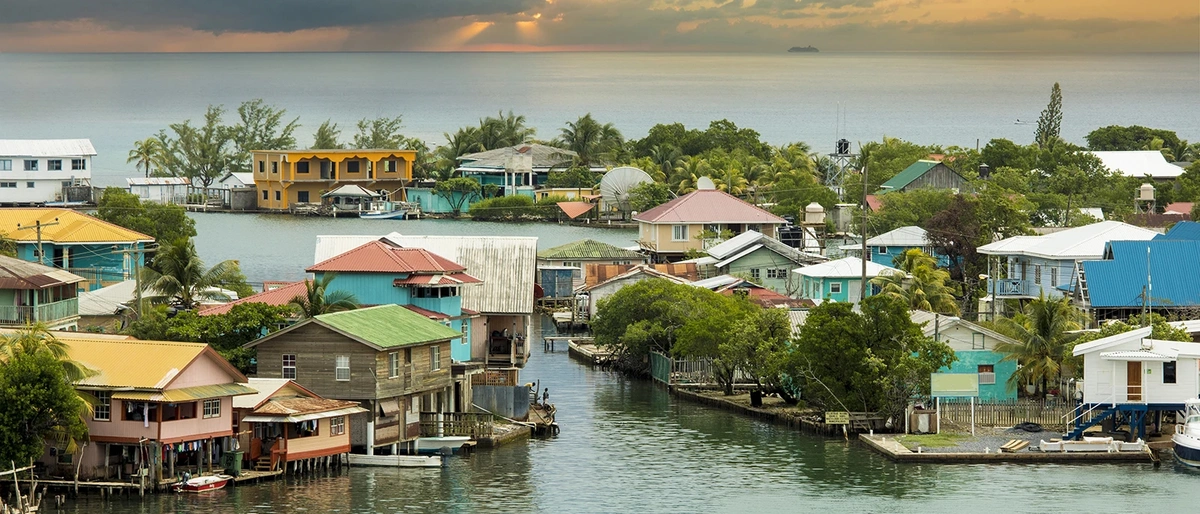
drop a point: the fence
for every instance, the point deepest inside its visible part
(690, 370)
(508, 401)
(1052, 414)
(471, 424)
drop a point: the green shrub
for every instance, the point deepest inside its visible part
(505, 208)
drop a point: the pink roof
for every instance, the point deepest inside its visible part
(707, 206)
(277, 296)
(383, 257)
(1180, 207)
(575, 209)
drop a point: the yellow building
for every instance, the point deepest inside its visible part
(285, 177)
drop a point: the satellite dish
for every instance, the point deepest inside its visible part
(705, 183)
(615, 186)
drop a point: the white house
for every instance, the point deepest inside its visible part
(1132, 368)
(636, 274)
(1140, 163)
(34, 171)
(160, 189)
(233, 180)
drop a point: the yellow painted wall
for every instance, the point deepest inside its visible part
(283, 177)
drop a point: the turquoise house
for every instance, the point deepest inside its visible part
(433, 203)
(885, 247)
(975, 352)
(100, 252)
(381, 272)
(839, 280)
(764, 259)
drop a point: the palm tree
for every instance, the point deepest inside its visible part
(316, 300)
(590, 139)
(665, 158)
(920, 283)
(688, 172)
(1043, 334)
(37, 339)
(180, 279)
(145, 153)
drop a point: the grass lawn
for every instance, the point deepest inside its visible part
(945, 440)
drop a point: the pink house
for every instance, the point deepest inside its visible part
(284, 422)
(161, 405)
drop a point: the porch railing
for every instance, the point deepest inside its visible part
(22, 314)
(471, 424)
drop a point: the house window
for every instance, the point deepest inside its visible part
(54, 165)
(1053, 276)
(274, 167)
(289, 365)
(777, 273)
(262, 166)
(302, 196)
(466, 325)
(103, 408)
(212, 408)
(337, 425)
(573, 264)
(352, 167)
(1169, 372)
(302, 167)
(30, 164)
(987, 374)
(139, 411)
(342, 363)
(755, 273)
(5, 164)
(978, 341)
(679, 233)
(435, 358)
(277, 196)
(393, 364)
(389, 166)
(881, 250)
(29, 185)
(78, 164)
(264, 194)
(835, 288)
(1037, 273)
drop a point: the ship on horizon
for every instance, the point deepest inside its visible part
(805, 49)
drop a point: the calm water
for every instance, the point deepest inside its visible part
(627, 446)
(948, 99)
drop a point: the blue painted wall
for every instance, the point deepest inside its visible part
(969, 361)
(821, 289)
(886, 255)
(96, 262)
(432, 203)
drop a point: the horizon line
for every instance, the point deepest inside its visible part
(608, 51)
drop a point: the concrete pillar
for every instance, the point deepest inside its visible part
(371, 435)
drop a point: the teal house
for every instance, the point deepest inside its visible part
(98, 251)
(433, 203)
(839, 280)
(381, 272)
(974, 351)
(885, 247)
(764, 259)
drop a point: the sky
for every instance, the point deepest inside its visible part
(599, 25)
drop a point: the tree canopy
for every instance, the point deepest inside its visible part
(227, 333)
(163, 222)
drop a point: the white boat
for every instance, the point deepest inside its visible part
(384, 210)
(202, 484)
(1187, 435)
(434, 444)
(1092, 444)
(397, 461)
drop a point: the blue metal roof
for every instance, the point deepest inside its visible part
(1118, 281)
(1184, 230)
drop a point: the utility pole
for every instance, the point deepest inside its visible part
(863, 289)
(38, 226)
(137, 254)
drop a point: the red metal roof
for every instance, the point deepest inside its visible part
(426, 312)
(277, 296)
(575, 209)
(382, 257)
(453, 279)
(707, 206)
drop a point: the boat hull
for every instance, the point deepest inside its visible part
(1187, 450)
(429, 445)
(394, 215)
(397, 461)
(203, 484)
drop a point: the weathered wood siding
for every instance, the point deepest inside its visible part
(938, 177)
(316, 349)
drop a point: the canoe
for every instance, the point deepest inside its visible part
(397, 461)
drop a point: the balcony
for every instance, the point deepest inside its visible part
(1017, 288)
(18, 315)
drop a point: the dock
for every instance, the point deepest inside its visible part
(589, 352)
(894, 450)
(554, 343)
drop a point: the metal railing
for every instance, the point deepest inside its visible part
(22, 314)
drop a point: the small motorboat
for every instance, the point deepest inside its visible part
(435, 444)
(1187, 435)
(202, 484)
(384, 210)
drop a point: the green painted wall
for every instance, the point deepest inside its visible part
(761, 261)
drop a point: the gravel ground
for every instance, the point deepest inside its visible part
(991, 439)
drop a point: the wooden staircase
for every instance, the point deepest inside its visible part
(263, 463)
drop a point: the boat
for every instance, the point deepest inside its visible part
(803, 49)
(384, 210)
(397, 461)
(202, 484)
(1092, 444)
(1187, 435)
(435, 444)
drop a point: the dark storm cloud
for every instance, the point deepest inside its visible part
(219, 16)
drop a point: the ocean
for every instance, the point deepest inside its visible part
(931, 98)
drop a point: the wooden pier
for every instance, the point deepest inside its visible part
(553, 343)
(589, 352)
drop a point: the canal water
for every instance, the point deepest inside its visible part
(628, 446)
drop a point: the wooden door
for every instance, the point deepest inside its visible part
(1134, 381)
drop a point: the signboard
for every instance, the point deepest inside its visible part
(837, 418)
(946, 385)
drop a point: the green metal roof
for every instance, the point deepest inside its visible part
(587, 249)
(388, 326)
(911, 173)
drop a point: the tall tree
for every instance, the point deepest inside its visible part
(458, 191)
(179, 278)
(202, 153)
(1050, 122)
(919, 283)
(260, 127)
(145, 154)
(592, 141)
(379, 133)
(163, 222)
(327, 137)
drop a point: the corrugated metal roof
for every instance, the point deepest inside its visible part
(903, 236)
(264, 388)
(908, 175)
(158, 181)
(46, 147)
(455, 279)
(278, 296)
(1136, 355)
(304, 416)
(387, 326)
(72, 227)
(506, 265)
(735, 244)
(640, 269)
(543, 156)
(351, 190)
(1139, 163)
(1184, 230)
(707, 206)
(387, 257)
(846, 267)
(1086, 242)
(587, 249)
(185, 394)
(597, 273)
(24, 275)
(1120, 280)
(130, 363)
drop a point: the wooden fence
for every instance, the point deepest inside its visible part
(691, 371)
(470, 424)
(1053, 415)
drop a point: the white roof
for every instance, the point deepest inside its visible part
(735, 244)
(506, 265)
(1139, 163)
(846, 267)
(903, 236)
(46, 147)
(352, 190)
(106, 301)
(264, 387)
(717, 281)
(247, 179)
(1112, 341)
(931, 323)
(158, 181)
(1086, 242)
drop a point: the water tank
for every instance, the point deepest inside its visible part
(814, 214)
(985, 171)
(1146, 193)
(843, 147)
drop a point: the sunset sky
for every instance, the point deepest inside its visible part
(638, 25)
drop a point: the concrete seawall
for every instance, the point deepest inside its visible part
(893, 450)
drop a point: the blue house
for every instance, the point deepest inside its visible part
(100, 252)
(885, 247)
(975, 352)
(381, 272)
(1159, 274)
(839, 280)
